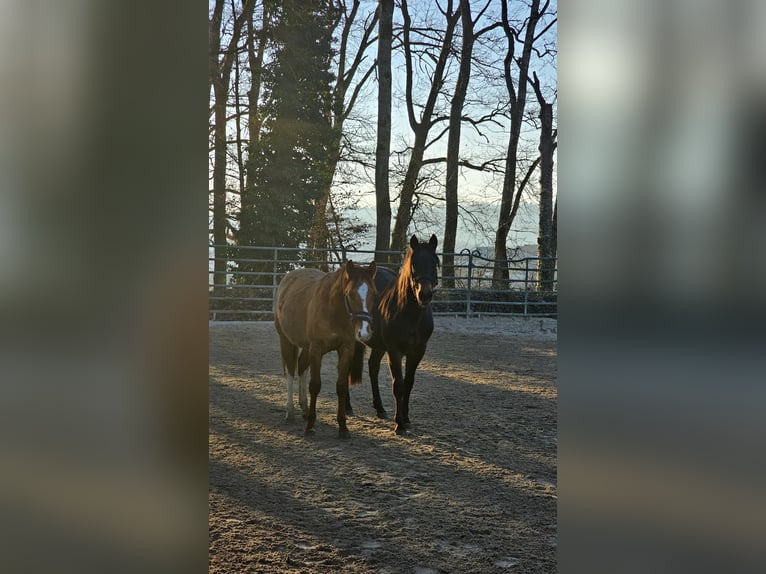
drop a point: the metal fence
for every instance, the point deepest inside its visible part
(248, 278)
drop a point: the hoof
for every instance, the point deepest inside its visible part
(382, 414)
(289, 417)
(344, 434)
(400, 430)
(309, 432)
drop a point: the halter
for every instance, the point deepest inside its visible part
(358, 315)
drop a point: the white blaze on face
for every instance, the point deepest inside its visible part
(365, 331)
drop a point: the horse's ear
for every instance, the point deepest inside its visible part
(414, 241)
(433, 242)
(347, 269)
(373, 268)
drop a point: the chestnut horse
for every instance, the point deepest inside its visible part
(317, 313)
(402, 324)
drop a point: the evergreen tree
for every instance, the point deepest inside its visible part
(291, 168)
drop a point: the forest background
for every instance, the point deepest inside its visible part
(341, 125)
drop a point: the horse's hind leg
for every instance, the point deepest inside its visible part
(349, 409)
(289, 362)
(303, 379)
(374, 365)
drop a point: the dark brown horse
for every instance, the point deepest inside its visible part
(402, 324)
(317, 313)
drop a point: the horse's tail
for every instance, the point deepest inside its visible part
(357, 365)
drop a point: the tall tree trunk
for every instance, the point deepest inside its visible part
(453, 144)
(421, 127)
(214, 42)
(509, 204)
(219, 117)
(219, 184)
(545, 232)
(319, 234)
(247, 212)
(555, 229)
(255, 60)
(383, 147)
(404, 210)
(318, 238)
(546, 250)
(238, 121)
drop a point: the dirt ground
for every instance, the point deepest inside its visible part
(472, 488)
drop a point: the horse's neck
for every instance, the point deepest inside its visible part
(407, 302)
(335, 295)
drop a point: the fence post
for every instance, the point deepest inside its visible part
(526, 283)
(469, 312)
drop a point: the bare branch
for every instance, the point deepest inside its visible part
(490, 165)
(544, 30)
(486, 29)
(358, 88)
(437, 138)
(359, 57)
(481, 13)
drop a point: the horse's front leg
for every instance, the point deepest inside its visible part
(395, 365)
(413, 360)
(374, 365)
(315, 384)
(345, 356)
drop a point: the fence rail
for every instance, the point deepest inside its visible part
(243, 281)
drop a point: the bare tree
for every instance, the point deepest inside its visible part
(422, 126)
(510, 202)
(254, 120)
(453, 141)
(545, 238)
(219, 67)
(383, 147)
(346, 90)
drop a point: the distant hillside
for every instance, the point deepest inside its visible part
(470, 236)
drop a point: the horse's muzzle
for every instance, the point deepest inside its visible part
(364, 332)
(425, 293)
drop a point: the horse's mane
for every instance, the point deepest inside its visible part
(395, 297)
(336, 287)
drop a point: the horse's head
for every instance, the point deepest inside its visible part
(423, 268)
(359, 295)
